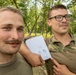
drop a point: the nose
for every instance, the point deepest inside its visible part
(64, 19)
(15, 34)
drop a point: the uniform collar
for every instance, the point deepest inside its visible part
(54, 40)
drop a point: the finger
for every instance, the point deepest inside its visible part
(54, 67)
(55, 73)
(42, 61)
(55, 62)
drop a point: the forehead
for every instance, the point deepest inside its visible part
(59, 12)
(7, 12)
(11, 18)
(9, 15)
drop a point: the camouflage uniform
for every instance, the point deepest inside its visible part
(63, 54)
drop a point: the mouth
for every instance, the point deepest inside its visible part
(14, 45)
(64, 26)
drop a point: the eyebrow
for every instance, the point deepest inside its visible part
(21, 26)
(8, 25)
(58, 15)
(11, 25)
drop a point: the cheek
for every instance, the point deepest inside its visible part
(3, 37)
(3, 33)
(54, 26)
(22, 36)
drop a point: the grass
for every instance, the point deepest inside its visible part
(38, 34)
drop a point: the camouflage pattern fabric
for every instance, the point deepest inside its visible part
(63, 54)
(39, 70)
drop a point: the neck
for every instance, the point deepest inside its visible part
(5, 58)
(63, 38)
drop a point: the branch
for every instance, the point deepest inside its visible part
(15, 3)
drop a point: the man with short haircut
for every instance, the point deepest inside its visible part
(11, 36)
(62, 45)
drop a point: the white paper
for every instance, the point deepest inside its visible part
(38, 45)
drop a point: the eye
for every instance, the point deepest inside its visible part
(59, 17)
(7, 28)
(68, 16)
(20, 29)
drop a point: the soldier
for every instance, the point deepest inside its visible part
(11, 37)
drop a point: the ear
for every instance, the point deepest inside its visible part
(49, 22)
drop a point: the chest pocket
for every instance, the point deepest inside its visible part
(66, 55)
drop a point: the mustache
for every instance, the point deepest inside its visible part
(13, 42)
(64, 23)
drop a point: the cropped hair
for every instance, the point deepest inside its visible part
(12, 9)
(59, 6)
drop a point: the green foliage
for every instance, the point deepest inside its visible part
(72, 7)
(35, 14)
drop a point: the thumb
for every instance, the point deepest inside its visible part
(42, 61)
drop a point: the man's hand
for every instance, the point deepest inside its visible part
(34, 59)
(60, 69)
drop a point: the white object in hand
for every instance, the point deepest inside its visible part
(38, 45)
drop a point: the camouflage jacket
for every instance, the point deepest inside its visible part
(63, 54)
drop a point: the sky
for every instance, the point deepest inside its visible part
(39, 5)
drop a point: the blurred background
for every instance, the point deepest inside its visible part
(35, 14)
